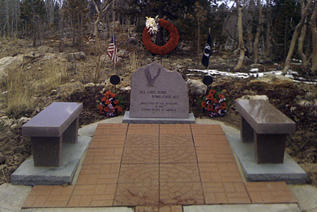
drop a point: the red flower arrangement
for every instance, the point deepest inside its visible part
(109, 105)
(169, 46)
(215, 104)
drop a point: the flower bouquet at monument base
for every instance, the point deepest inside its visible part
(214, 103)
(110, 105)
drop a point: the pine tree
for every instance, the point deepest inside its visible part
(33, 15)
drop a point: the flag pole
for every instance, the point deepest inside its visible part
(210, 47)
(113, 26)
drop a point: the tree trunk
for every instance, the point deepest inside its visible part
(61, 29)
(258, 33)
(16, 15)
(96, 34)
(198, 36)
(241, 42)
(314, 39)
(249, 44)
(301, 39)
(295, 36)
(7, 17)
(268, 43)
(51, 12)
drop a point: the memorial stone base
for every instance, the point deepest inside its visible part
(128, 119)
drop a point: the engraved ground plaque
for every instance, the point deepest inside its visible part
(158, 93)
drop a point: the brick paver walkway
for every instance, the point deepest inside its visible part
(158, 168)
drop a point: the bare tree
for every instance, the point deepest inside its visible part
(302, 37)
(7, 17)
(258, 33)
(314, 38)
(101, 12)
(61, 27)
(240, 32)
(295, 36)
(268, 43)
(49, 4)
(200, 16)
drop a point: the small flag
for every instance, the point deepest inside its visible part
(112, 50)
(207, 52)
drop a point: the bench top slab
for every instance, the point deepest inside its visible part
(53, 120)
(264, 117)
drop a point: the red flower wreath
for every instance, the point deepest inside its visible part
(169, 46)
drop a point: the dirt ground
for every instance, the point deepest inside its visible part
(297, 100)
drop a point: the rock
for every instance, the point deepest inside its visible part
(80, 55)
(196, 87)
(2, 159)
(5, 121)
(105, 58)
(283, 78)
(254, 70)
(187, 61)
(7, 63)
(23, 120)
(305, 103)
(255, 65)
(53, 92)
(178, 66)
(44, 49)
(14, 126)
(49, 56)
(91, 84)
(128, 88)
(272, 80)
(255, 97)
(69, 88)
(71, 57)
(184, 47)
(133, 41)
(122, 53)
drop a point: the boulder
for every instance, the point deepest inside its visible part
(71, 57)
(69, 88)
(7, 63)
(133, 41)
(23, 120)
(255, 97)
(2, 159)
(196, 87)
(122, 53)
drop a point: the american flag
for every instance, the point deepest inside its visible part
(112, 50)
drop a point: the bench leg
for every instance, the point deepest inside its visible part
(246, 131)
(71, 133)
(46, 151)
(270, 148)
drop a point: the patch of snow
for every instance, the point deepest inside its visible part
(254, 70)
(296, 60)
(290, 74)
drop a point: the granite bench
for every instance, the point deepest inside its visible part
(268, 127)
(54, 125)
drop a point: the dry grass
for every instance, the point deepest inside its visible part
(49, 78)
(134, 64)
(19, 92)
(24, 85)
